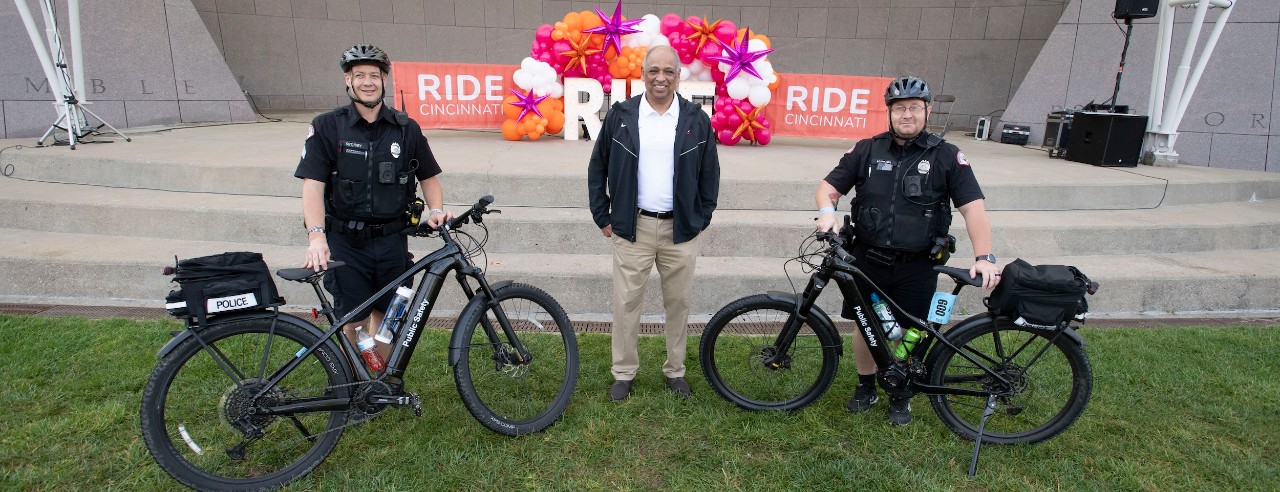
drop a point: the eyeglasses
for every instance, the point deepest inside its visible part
(898, 110)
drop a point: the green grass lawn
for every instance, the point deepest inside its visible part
(1172, 409)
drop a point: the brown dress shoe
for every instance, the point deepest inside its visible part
(680, 387)
(620, 390)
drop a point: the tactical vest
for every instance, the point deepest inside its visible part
(901, 204)
(372, 181)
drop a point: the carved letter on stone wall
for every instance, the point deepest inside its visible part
(98, 86)
(31, 86)
(1257, 121)
(1214, 116)
(144, 87)
(187, 87)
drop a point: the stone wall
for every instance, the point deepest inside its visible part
(1228, 122)
(147, 62)
(286, 52)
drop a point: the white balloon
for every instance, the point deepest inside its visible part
(759, 96)
(756, 45)
(684, 73)
(521, 78)
(738, 88)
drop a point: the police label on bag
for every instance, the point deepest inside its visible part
(232, 303)
(940, 308)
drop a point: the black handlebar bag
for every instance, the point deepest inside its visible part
(223, 283)
(1043, 295)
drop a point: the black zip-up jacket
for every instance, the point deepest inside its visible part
(612, 172)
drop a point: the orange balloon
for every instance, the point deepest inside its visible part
(556, 122)
(535, 135)
(590, 20)
(776, 81)
(510, 111)
(573, 21)
(767, 44)
(509, 130)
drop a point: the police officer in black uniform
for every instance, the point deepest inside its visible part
(360, 166)
(903, 180)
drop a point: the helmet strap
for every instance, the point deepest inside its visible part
(351, 94)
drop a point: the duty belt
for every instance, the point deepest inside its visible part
(888, 257)
(357, 229)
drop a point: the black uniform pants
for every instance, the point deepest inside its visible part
(909, 280)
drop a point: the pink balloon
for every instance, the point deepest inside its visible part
(544, 33)
(709, 50)
(726, 31)
(733, 119)
(561, 46)
(670, 23)
(725, 136)
(763, 137)
(763, 120)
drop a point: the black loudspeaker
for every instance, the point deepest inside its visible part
(1107, 139)
(1135, 9)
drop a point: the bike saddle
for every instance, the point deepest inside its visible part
(304, 274)
(960, 274)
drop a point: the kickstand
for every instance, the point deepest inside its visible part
(977, 443)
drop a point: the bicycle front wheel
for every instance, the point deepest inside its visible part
(743, 335)
(199, 417)
(1046, 381)
(509, 392)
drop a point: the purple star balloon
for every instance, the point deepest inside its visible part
(614, 28)
(527, 102)
(739, 57)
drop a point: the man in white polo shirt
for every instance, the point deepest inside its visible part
(653, 180)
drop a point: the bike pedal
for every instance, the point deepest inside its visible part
(415, 404)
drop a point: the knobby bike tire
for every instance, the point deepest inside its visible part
(193, 412)
(743, 333)
(1050, 380)
(507, 395)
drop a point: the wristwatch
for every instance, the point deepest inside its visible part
(989, 257)
(315, 229)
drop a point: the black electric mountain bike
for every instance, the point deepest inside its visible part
(257, 399)
(780, 351)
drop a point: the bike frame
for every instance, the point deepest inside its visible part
(838, 266)
(437, 265)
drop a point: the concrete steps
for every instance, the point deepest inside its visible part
(748, 233)
(57, 265)
(1162, 241)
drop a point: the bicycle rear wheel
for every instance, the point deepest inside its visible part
(743, 334)
(1049, 381)
(509, 394)
(198, 421)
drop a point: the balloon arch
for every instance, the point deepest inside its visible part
(606, 47)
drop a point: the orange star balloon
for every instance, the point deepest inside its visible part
(749, 123)
(578, 55)
(703, 32)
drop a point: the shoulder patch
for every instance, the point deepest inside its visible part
(311, 131)
(960, 158)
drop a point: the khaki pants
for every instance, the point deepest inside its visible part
(632, 263)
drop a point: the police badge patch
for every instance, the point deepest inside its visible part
(395, 150)
(923, 167)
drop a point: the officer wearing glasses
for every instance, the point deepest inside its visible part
(904, 182)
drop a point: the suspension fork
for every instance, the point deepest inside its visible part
(491, 302)
(798, 318)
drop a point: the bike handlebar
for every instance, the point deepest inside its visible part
(838, 242)
(474, 213)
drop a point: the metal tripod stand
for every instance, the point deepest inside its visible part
(70, 109)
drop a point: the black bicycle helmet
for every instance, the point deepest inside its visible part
(365, 54)
(906, 88)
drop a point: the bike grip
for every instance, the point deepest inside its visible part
(484, 201)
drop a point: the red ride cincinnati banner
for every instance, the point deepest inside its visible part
(828, 106)
(452, 95)
(466, 95)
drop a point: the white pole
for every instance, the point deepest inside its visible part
(1184, 67)
(1203, 61)
(1164, 42)
(42, 51)
(77, 53)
